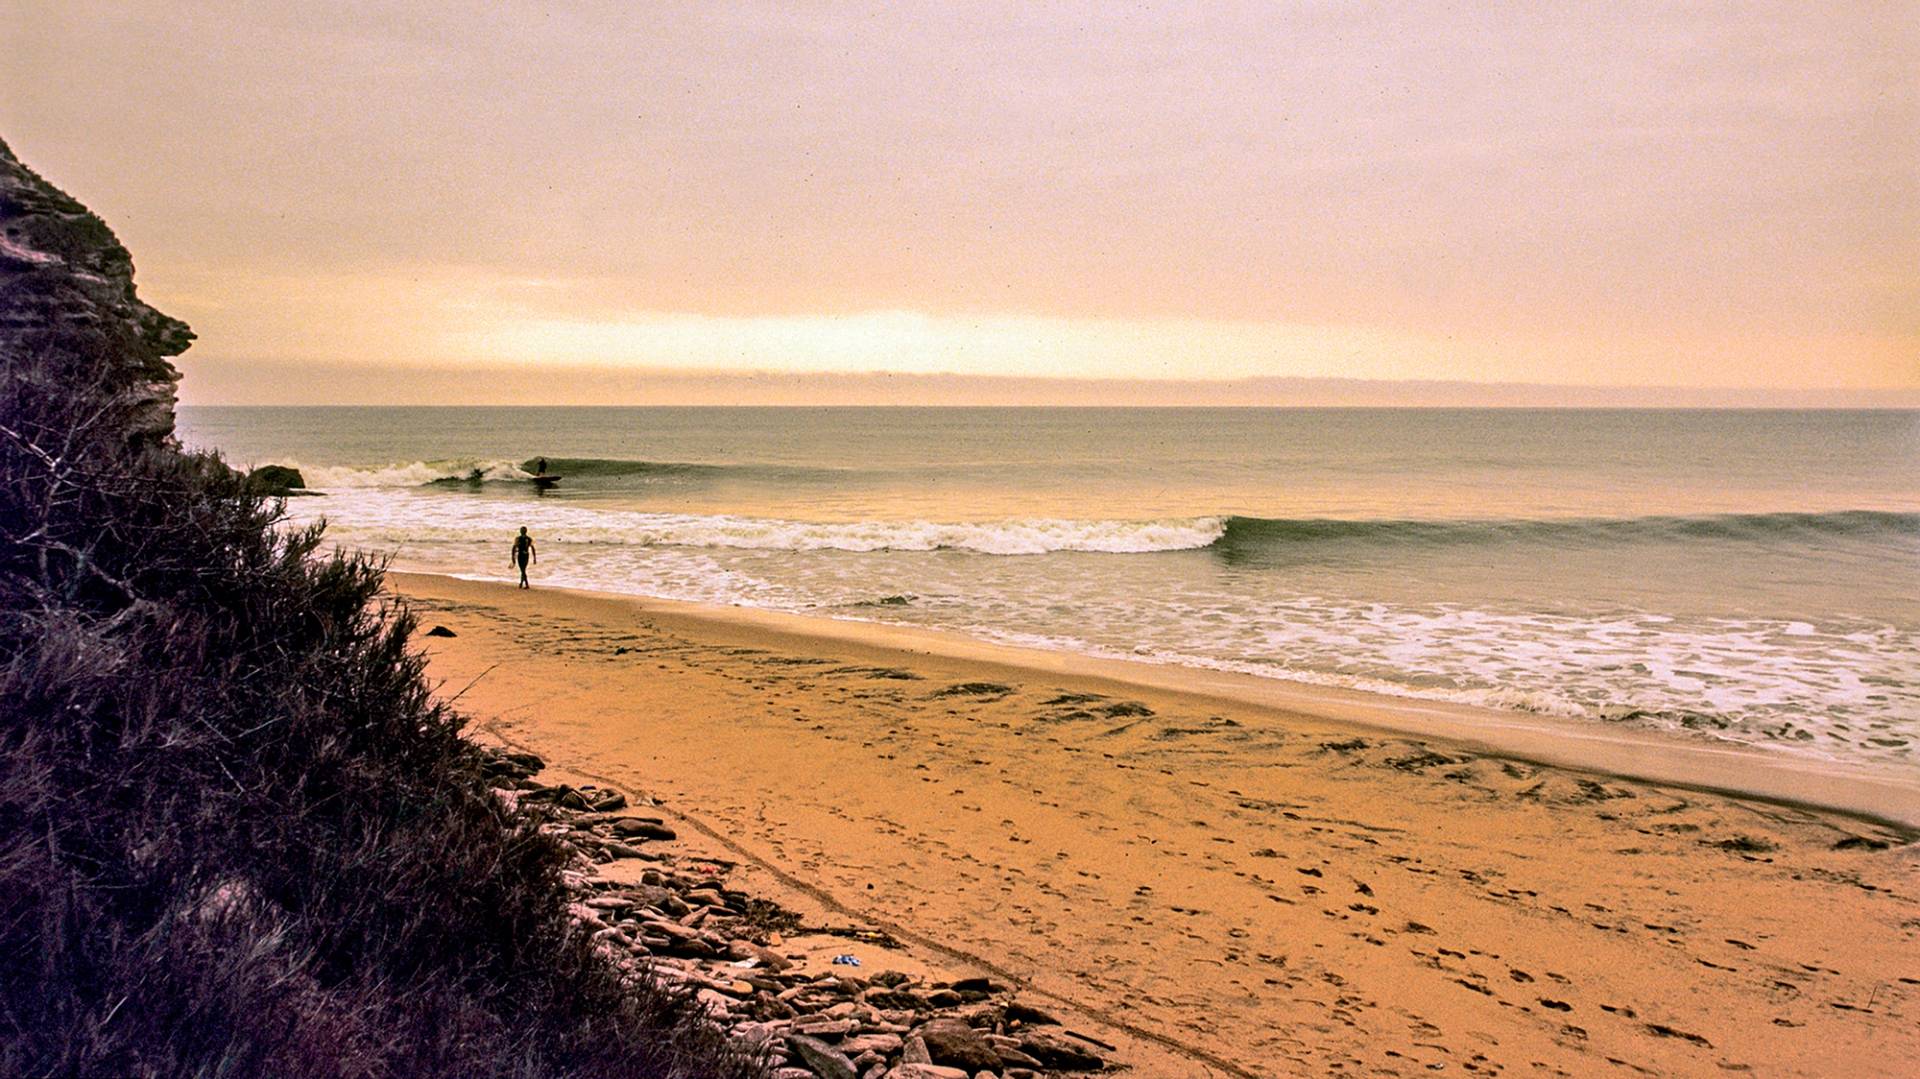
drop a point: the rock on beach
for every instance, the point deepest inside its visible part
(681, 923)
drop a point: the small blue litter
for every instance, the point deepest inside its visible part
(846, 961)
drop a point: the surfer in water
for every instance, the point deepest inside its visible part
(523, 553)
(540, 467)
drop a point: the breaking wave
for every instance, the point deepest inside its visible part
(1231, 535)
(598, 472)
(417, 520)
(1269, 532)
(394, 517)
(413, 474)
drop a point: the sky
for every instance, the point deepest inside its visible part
(604, 201)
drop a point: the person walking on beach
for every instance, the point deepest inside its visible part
(523, 553)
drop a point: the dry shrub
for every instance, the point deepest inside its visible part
(238, 836)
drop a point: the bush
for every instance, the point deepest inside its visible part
(238, 836)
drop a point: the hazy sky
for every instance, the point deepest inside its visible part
(1621, 194)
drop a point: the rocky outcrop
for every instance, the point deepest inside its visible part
(276, 480)
(68, 310)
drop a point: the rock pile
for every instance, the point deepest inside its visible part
(680, 923)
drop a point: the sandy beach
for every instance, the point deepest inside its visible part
(1224, 885)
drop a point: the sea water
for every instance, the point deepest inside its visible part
(1744, 575)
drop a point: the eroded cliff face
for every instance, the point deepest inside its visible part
(68, 308)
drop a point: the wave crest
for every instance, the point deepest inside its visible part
(604, 473)
(411, 474)
(378, 519)
(1020, 537)
(381, 517)
(1254, 532)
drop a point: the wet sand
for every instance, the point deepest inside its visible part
(1225, 884)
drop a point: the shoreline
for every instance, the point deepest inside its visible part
(1879, 795)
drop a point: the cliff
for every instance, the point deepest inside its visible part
(238, 833)
(68, 307)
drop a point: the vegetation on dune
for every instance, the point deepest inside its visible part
(238, 835)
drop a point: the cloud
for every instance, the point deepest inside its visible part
(1601, 194)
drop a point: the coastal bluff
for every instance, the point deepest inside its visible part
(239, 833)
(68, 307)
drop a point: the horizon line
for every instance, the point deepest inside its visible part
(222, 382)
(1039, 405)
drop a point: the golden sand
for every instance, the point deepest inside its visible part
(1223, 878)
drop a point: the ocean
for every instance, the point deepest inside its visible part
(1742, 575)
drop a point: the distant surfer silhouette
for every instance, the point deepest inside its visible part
(524, 553)
(540, 466)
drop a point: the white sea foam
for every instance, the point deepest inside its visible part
(403, 475)
(394, 518)
(1726, 680)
